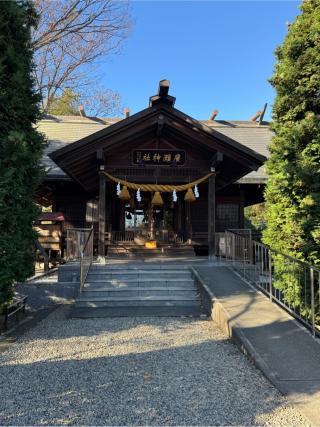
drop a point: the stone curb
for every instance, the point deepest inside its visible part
(234, 331)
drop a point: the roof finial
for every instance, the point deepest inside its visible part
(214, 114)
(81, 111)
(256, 116)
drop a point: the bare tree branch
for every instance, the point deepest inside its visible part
(100, 102)
(70, 38)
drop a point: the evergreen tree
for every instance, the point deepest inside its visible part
(66, 104)
(20, 146)
(254, 218)
(293, 189)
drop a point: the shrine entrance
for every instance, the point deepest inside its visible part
(161, 223)
(143, 172)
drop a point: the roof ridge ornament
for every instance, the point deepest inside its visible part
(163, 95)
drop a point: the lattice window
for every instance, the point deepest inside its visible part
(227, 216)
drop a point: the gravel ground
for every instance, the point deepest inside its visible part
(143, 371)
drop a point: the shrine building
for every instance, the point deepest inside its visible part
(157, 175)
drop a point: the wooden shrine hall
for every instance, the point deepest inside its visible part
(156, 177)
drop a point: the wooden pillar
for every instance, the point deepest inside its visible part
(187, 210)
(179, 208)
(122, 216)
(102, 215)
(211, 216)
(241, 208)
(151, 222)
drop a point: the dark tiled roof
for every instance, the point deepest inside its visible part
(64, 130)
(252, 135)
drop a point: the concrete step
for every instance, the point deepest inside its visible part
(164, 311)
(138, 275)
(137, 292)
(149, 254)
(152, 271)
(136, 265)
(152, 301)
(142, 283)
(139, 281)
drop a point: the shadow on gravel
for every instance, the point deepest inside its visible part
(109, 325)
(208, 383)
(42, 295)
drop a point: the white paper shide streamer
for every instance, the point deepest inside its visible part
(118, 189)
(174, 196)
(196, 191)
(138, 195)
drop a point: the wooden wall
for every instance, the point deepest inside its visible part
(70, 199)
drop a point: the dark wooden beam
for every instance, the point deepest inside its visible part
(102, 216)
(211, 216)
(188, 223)
(160, 125)
(216, 159)
(156, 99)
(100, 154)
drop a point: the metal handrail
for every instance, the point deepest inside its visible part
(80, 249)
(43, 253)
(74, 238)
(291, 283)
(307, 264)
(87, 249)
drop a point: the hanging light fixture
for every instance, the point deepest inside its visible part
(189, 196)
(157, 199)
(124, 194)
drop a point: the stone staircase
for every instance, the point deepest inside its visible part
(148, 290)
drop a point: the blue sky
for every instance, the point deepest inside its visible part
(216, 54)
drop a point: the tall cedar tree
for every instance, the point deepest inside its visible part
(20, 146)
(293, 189)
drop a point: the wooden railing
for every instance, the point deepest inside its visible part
(129, 235)
(123, 236)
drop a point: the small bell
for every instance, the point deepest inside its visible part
(124, 194)
(189, 196)
(157, 199)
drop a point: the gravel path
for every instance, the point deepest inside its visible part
(145, 371)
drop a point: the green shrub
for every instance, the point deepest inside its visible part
(21, 146)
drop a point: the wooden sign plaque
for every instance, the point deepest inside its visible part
(159, 157)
